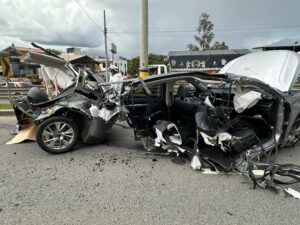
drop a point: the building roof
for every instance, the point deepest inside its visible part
(77, 58)
(295, 48)
(70, 56)
(210, 52)
(23, 50)
(199, 60)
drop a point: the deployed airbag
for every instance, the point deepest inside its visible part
(245, 100)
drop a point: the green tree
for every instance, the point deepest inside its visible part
(134, 63)
(205, 35)
(54, 51)
(218, 45)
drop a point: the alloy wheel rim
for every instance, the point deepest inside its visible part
(58, 135)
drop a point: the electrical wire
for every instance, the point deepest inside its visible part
(91, 19)
(244, 28)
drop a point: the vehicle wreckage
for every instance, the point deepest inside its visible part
(231, 122)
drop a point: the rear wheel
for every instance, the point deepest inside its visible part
(57, 135)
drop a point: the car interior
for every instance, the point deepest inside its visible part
(208, 106)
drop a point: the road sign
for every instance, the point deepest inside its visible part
(113, 48)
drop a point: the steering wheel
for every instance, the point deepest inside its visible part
(203, 95)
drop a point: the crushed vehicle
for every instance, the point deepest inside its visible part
(231, 122)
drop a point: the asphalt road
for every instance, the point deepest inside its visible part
(117, 183)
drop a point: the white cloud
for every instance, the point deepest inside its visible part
(57, 23)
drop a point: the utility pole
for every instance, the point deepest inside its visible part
(106, 53)
(144, 72)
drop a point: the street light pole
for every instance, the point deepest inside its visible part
(144, 39)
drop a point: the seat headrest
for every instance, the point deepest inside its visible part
(183, 91)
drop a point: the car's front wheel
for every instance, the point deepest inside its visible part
(57, 134)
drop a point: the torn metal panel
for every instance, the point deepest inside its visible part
(108, 114)
(96, 130)
(43, 59)
(56, 79)
(167, 132)
(222, 140)
(293, 193)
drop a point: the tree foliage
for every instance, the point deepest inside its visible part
(205, 35)
(134, 63)
(219, 45)
(54, 51)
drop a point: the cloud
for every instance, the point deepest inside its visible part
(48, 22)
(172, 24)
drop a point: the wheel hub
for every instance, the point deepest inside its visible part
(58, 135)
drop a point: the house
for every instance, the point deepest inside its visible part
(74, 56)
(121, 63)
(18, 68)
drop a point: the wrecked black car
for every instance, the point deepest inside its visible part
(234, 121)
(74, 106)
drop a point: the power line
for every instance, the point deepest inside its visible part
(91, 19)
(223, 33)
(244, 26)
(194, 31)
(244, 29)
(98, 37)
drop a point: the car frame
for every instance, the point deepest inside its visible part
(202, 122)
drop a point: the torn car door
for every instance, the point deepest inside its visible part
(145, 109)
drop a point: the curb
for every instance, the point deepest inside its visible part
(7, 112)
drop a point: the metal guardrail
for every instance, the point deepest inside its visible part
(297, 85)
(16, 92)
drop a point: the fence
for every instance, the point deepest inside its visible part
(16, 92)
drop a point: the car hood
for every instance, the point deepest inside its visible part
(43, 59)
(278, 68)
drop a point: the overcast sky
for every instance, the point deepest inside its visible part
(172, 23)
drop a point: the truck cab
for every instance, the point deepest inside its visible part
(157, 69)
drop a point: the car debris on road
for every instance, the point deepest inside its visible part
(235, 121)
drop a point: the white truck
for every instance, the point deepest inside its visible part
(157, 69)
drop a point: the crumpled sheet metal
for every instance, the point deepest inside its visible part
(107, 115)
(163, 126)
(293, 193)
(27, 134)
(217, 140)
(56, 78)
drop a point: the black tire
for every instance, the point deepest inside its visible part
(60, 141)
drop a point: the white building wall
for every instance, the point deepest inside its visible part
(121, 64)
